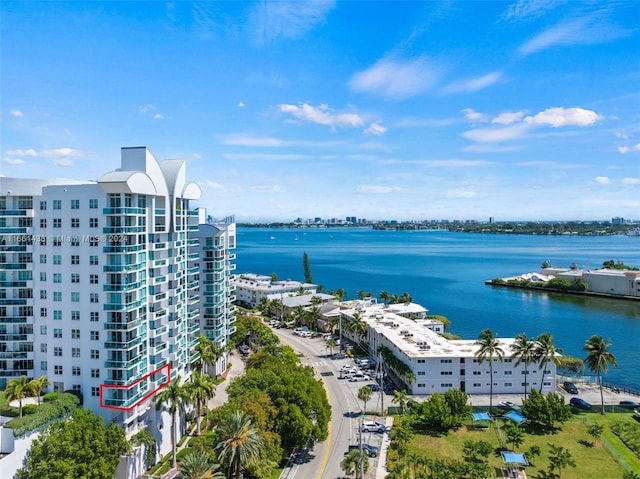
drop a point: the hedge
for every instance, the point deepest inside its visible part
(47, 412)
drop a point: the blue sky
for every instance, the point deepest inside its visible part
(383, 110)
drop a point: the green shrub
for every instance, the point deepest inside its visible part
(629, 434)
(30, 409)
(45, 413)
(50, 397)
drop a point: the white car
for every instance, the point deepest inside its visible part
(359, 377)
(348, 367)
(371, 426)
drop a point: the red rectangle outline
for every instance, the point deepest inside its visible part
(168, 366)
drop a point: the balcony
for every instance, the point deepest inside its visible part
(123, 248)
(124, 287)
(123, 326)
(125, 344)
(123, 229)
(124, 211)
(122, 306)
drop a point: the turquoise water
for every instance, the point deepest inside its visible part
(445, 272)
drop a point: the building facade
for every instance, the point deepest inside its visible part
(251, 288)
(101, 285)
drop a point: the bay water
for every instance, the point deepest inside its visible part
(445, 272)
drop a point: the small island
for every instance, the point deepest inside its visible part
(614, 279)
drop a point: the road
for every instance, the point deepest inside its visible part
(323, 461)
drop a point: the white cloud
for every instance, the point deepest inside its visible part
(472, 115)
(196, 156)
(263, 156)
(378, 190)
(564, 117)
(212, 185)
(241, 104)
(473, 84)
(146, 109)
(622, 134)
(464, 192)
(529, 9)
(508, 117)
(271, 20)
(603, 180)
(631, 181)
(246, 140)
(588, 30)
(62, 156)
(29, 152)
(159, 116)
(624, 150)
(376, 129)
(13, 161)
(497, 134)
(266, 189)
(397, 78)
(17, 113)
(321, 115)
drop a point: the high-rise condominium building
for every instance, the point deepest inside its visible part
(105, 285)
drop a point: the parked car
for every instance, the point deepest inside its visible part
(570, 387)
(580, 403)
(508, 404)
(629, 404)
(339, 356)
(359, 377)
(369, 450)
(374, 387)
(361, 361)
(244, 349)
(348, 367)
(371, 426)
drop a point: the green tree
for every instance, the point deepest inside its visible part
(595, 431)
(264, 305)
(401, 399)
(199, 464)
(357, 325)
(313, 314)
(364, 394)
(37, 385)
(307, 268)
(514, 435)
(208, 355)
(18, 389)
(524, 350)
(144, 438)
(200, 389)
(598, 359)
(340, 294)
(406, 298)
(384, 296)
(488, 347)
(476, 451)
(354, 462)
(239, 445)
(560, 458)
(435, 413)
(458, 405)
(546, 411)
(534, 451)
(331, 343)
(84, 448)
(274, 277)
(545, 351)
(298, 314)
(173, 398)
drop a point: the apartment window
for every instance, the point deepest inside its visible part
(43, 329)
(93, 203)
(75, 334)
(508, 360)
(75, 315)
(57, 333)
(93, 279)
(94, 316)
(75, 241)
(446, 385)
(508, 373)
(421, 373)
(95, 354)
(75, 296)
(75, 259)
(43, 222)
(95, 335)
(57, 315)
(524, 384)
(57, 204)
(75, 204)
(43, 312)
(546, 371)
(43, 259)
(93, 260)
(95, 391)
(43, 347)
(57, 296)
(75, 352)
(421, 385)
(75, 371)
(75, 222)
(57, 277)
(43, 205)
(43, 276)
(75, 278)
(93, 222)
(477, 385)
(57, 369)
(445, 361)
(57, 222)
(546, 383)
(508, 385)
(57, 259)
(421, 361)
(94, 298)
(43, 294)
(95, 373)
(93, 241)
(446, 373)
(57, 351)
(43, 365)
(57, 241)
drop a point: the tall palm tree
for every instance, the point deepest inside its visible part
(200, 389)
(364, 394)
(488, 347)
(199, 465)
(406, 298)
(240, 443)
(357, 325)
(174, 399)
(524, 350)
(401, 399)
(598, 359)
(354, 462)
(209, 353)
(37, 385)
(17, 389)
(545, 350)
(313, 315)
(384, 296)
(299, 313)
(331, 343)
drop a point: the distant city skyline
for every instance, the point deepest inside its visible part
(524, 110)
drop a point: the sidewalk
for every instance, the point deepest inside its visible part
(236, 369)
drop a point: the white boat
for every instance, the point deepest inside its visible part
(272, 238)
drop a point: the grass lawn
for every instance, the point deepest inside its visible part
(593, 459)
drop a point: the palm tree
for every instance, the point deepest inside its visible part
(401, 399)
(599, 358)
(37, 385)
(313, 315)
(240, 443)
(357, 325)
(524, 350)
(331, 343)
(394, 299)
(199, 465)
(360, 294)
(340, 294)
(209, 353)
(353, 461)
(364, 394)
(298, 314)
(200, 389)
(384, 296)
(489, 346)
(406, 298)
(17, 389)
(264, 305)
(173, 399)
(545, 350)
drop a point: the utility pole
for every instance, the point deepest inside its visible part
(361, 448)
